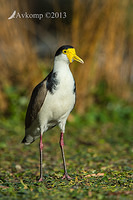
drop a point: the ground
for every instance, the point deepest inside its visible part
(99, 156)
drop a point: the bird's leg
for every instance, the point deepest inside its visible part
(41, 148)
(63, 157)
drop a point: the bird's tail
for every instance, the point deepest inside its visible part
(28, 140)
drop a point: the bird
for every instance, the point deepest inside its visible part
(51, 102)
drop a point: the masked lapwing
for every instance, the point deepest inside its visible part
(51, 102)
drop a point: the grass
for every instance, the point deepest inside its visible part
(98, 149)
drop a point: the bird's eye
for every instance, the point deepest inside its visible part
(64, 51)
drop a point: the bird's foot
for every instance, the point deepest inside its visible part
(40, 180)
(66, 176)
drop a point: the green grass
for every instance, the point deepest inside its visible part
(99, 156)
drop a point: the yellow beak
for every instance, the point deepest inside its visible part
(71, 54)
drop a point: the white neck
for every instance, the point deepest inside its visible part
(60, 65)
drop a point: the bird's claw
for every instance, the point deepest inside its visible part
(40, 180)
(66, 176)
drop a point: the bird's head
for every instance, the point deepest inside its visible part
(67, 53)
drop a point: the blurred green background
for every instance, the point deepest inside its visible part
(99, 132)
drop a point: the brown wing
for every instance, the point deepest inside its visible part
(37, 98)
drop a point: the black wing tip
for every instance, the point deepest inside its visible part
(24, 140)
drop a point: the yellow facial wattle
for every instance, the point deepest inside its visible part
(71, 54)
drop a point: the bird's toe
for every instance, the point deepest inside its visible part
(66, 176)
(40, 180)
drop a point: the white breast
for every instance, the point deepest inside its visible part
(57, 106)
